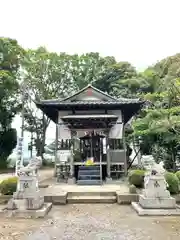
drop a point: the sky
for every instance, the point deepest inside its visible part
(139, 31)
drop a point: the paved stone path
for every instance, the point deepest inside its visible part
(105, 222)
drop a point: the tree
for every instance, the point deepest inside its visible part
(160, 130)
(51, 75)
(114, 76)
(159, 126)
(10, 57)
(90, 68)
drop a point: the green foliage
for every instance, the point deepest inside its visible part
(178, 175)
(173, 182)
(8, 140)
(114, 79)
(8, 186)
(10, 57)
(50, 75)
(159, 125)
(136, 178)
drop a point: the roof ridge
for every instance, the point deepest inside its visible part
(86, 87)
(119, 101)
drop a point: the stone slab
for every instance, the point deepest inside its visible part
(43, 185)
(109, 180)
(155, 212)
(91, 199)
(90, 194)
(157, 203)
(40, 213)
(71, 180)
(126, 198)
(59, 199)
(89, 182)
(177, 197)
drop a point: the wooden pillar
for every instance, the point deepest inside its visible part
(108, 164)
(125, 157)
(56, 149)
(71, 179)
(108, 178)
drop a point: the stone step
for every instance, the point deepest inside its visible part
(89, 172)
(89, 182)
(91, 199)
(91, 193)
(89, 177)
(89, 167)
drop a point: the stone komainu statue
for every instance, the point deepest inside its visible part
(32, 167)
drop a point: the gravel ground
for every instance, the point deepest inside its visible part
(92, 222)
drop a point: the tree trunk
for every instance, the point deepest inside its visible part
(174, 160)
(45, 125)
(38, 145)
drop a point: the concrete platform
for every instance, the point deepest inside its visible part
(40, 213)
(155, 212)
(62, 193)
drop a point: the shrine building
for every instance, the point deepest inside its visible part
(90, 142)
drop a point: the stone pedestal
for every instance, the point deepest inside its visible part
(27, 201)
(156, 199)
(157, 203)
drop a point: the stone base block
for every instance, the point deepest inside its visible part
(91, 199)
(40, 213)
(126, 198)
(108, 180)
(157, 203)
(60, 199)
(71, 181)
(155, 212)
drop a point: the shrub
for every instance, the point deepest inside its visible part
(8, 186)
(173, 182)
(178, 175)
(136, 178)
